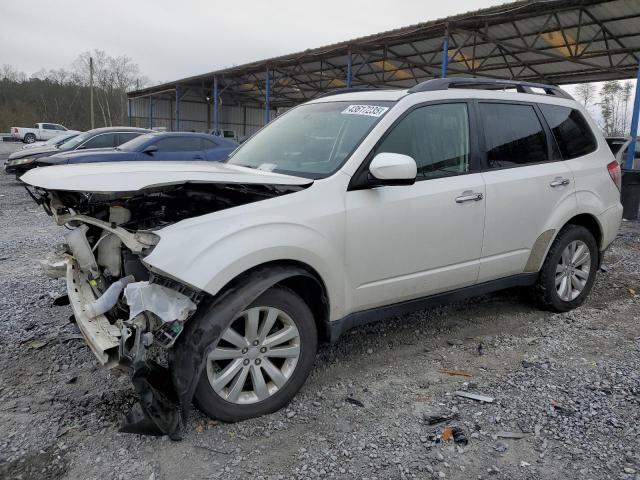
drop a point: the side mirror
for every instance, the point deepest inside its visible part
(151, 149)
(393, 169)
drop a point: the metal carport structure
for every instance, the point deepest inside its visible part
(547, 41)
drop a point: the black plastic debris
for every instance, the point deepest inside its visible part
(459, 437)
(434, 419)
(61, 301)
(158, 411)
(354, 401)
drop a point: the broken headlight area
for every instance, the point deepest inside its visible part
(124, 311)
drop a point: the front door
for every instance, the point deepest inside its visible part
(406, 242)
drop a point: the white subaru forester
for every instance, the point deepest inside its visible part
(345, 210)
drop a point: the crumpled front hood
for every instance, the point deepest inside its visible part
(33, 152)
(138, 175)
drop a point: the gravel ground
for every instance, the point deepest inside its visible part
(568, 385)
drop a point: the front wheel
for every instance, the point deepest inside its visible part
(29, 138)
(262, 359)
(569, 271)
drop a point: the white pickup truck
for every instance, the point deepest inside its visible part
(41, 131)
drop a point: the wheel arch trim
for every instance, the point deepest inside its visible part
(188, 357)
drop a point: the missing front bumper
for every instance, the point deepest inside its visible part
(102, 337)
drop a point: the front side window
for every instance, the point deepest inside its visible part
(312, 140)
(513, 135)
(104, 140)
(435, 136)
(48, 126)
(570, 129)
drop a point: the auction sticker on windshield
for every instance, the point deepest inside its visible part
(369, 110)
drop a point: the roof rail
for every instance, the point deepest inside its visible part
(521, 87)
(345, 90)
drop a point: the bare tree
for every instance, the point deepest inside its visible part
(62, 95)
(585, 93)
(7, 72)
(113, 77)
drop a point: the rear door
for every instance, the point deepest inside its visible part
(529, 189)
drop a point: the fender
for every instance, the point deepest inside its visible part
(229, 254)
(202, 332)
(563, 211)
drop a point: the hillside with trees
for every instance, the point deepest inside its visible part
(62, 95)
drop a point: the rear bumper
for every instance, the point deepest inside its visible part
(102, 337)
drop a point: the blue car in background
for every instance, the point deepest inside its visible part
(153, 146)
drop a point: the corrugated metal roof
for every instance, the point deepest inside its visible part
(549, 41)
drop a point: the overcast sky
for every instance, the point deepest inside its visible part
(171, 39)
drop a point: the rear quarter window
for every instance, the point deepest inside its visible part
(570, 129)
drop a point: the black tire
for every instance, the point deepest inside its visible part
(289, 302)
(29, 138)
(545, 289)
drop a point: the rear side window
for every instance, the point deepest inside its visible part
(178, 144)
(571, 130)
(207, 144)
(513, 135)
(615, 144)
(125, 137)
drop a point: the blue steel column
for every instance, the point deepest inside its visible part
(216, 125)
(177, 109)
(445, 52)
(349, 72)
(150, 111)
(267, 99)
(129, 110)
(628, 164)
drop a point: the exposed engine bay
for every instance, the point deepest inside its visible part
(119, 305)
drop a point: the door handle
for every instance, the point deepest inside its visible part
(198, 157)
(559, 182)
(469, 197)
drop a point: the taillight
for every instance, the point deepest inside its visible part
(615, 173)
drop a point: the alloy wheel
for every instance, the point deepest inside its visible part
(255, 357)
(573, 270)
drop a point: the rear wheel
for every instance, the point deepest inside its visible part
(569, 271)
(262, 358)
(29, 138)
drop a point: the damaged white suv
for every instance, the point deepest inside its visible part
(348, 209)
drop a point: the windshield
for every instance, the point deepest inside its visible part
(311, 140)
(134, 144)
(61, 140)
(75, 141)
